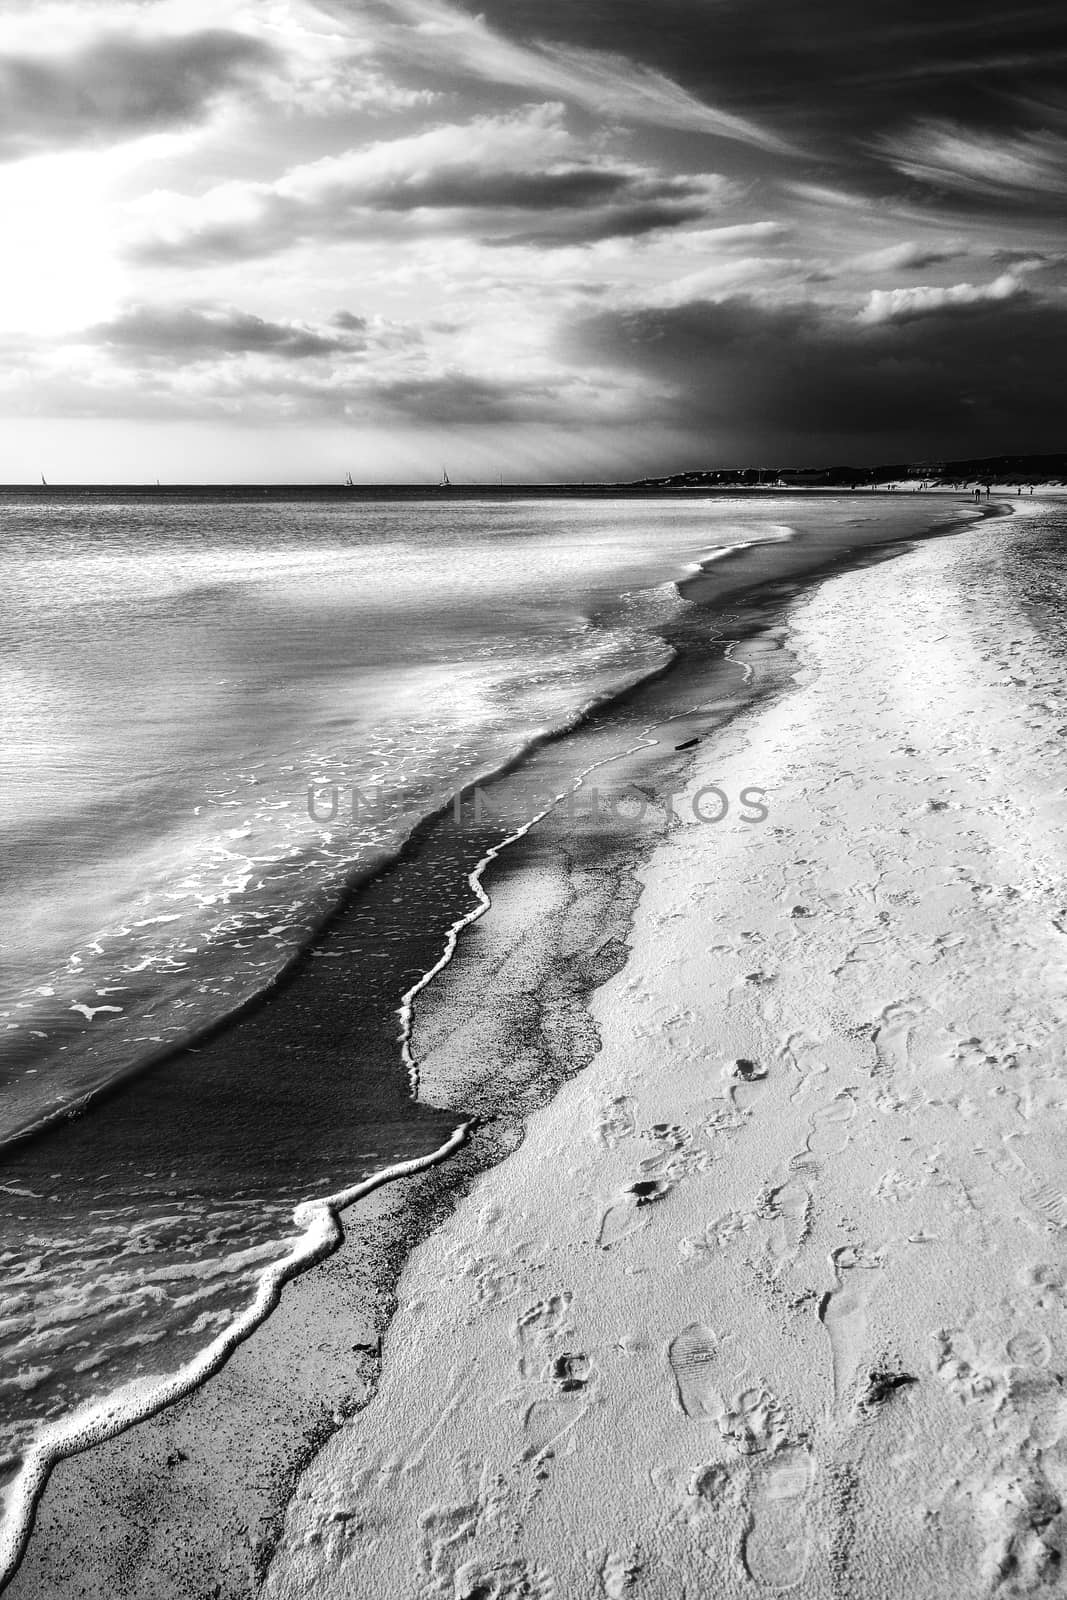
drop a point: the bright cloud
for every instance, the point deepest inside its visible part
(904, 305)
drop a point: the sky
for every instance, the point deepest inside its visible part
(543, 240)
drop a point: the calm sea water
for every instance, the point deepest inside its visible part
(173, 678)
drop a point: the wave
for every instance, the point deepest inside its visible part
(265, 909)
(339, 881)
(321, 1232)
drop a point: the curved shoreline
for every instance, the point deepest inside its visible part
(321, 1220)
(323, 1238)
(346, 893)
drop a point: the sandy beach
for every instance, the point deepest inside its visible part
(771, 1296)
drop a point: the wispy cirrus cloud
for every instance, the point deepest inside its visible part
(445, 37)
(827, 78)
(1016, 168)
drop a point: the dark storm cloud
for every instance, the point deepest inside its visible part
(854, 86)
(197, 333)
(118, 87)
(951, 372)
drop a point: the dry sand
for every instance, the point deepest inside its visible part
(773, 1295)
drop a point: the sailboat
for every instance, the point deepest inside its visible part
(446, 481)
(348, 481)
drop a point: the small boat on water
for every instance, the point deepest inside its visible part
(348, 482)
(446, 481)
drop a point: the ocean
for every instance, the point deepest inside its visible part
(224, 719)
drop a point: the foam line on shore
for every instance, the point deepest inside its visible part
(474, 877)
(484, 901)
(322, 1232)
(482, 905)
(781, 534)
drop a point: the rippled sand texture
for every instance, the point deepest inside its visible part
(772, 1297)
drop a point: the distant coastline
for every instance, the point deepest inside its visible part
(1002, 471)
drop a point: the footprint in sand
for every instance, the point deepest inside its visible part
(1049, 1204)
(692, 1360)
(777, 1544)
(715, 1238)
(746, 1080)
(548, 1418)
(843, 1312)
(829, 1125)
(536, 1328)
(629, 1214)
(791, 1204)
(1045, 1201)
(892, 1036)
(754, 1422)
(800, 1053)
(1028, 1348)
(790, 1207)
(669, 1135)
(545, 1423)
(615, 1121)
